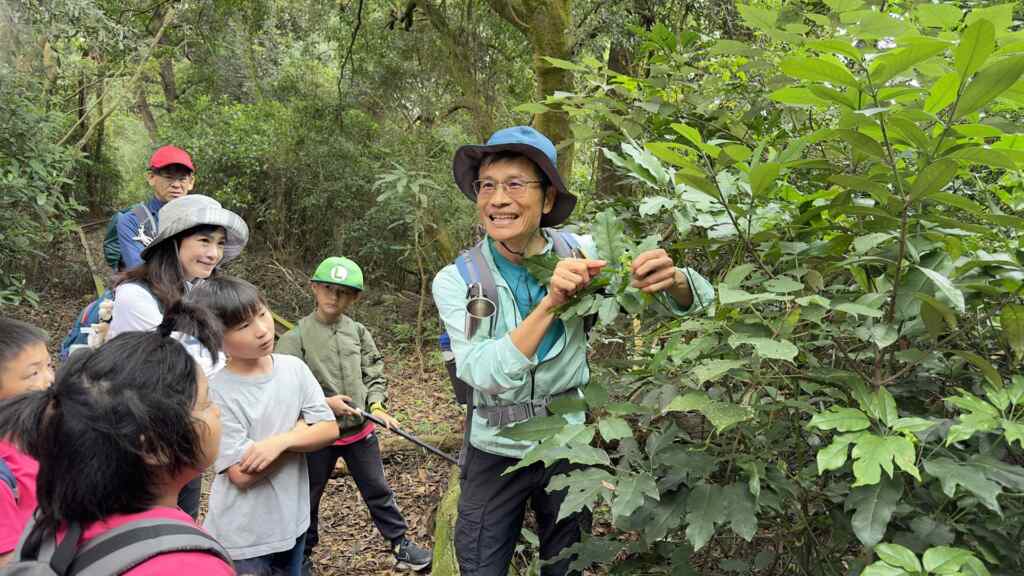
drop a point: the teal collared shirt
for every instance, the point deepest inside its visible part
(499, 373)
(528, 293)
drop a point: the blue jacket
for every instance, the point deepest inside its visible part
(499, 373)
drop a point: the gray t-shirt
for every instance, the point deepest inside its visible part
(268, 516)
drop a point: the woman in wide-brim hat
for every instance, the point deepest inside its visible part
(196, 236)
(521, 356)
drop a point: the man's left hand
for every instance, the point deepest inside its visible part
(654, 271)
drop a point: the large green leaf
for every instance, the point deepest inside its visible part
(720, 413)
(614, 428)
(989, 84)
(833, 456)
(894, 62)
(942, 93)
(818, 70)
(872, 454)
(535, 429)
(977, 42)
(667, 515)
(884, 569)
(933, 178)
(945, 559)
(740, 510)
(713, 369)
(705, 508)
(938, 15)
(953, 474)
(951, 293)
(762, 177)
(541, 266)
(840, 418)
(874, 506)
(767, 347)
(862, 143)
(984, 155)
(897, 555)
(609, 236)
(756, 17)
(631, 491)
(584, 487)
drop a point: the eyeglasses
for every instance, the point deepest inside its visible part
(172, 177)
(516, 187)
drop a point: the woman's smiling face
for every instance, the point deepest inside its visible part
(510, 199)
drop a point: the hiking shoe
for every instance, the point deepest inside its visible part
(409, 556)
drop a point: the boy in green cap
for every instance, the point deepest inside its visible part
(343, 357)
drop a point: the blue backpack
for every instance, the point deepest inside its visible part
(87, 317)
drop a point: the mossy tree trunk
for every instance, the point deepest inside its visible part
(445, 563)
(547, 26)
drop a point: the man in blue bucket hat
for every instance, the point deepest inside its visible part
(512, 351)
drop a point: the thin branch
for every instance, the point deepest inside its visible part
(351, 44)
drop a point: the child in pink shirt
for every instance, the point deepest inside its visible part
(25, 365)
(118, 434)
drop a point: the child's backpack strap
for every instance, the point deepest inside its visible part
(7, 477)
(37, 554)
(129, 545)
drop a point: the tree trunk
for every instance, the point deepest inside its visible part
(168, 81)
(142, 105)
(546, 25)
(549, 36)
(608, 183)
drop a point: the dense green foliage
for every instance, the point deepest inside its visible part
(852, 402)
(846, 172)
(33, 171)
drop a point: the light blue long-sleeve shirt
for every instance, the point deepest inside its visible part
(499, 373)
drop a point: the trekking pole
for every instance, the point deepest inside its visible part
(407, 436)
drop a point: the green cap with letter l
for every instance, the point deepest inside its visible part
(341, 271)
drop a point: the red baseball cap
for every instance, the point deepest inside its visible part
(167, 155)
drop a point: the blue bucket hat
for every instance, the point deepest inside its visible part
(528, 142)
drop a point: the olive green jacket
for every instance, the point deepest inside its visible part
(344, 359)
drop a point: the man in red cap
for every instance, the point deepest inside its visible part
(171, 175)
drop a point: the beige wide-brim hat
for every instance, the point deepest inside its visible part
(187, 212)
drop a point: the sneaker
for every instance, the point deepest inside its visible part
(409, 556)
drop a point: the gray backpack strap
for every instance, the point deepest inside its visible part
(474, 270)
(43, 548)
(147, 224)
(128, 546)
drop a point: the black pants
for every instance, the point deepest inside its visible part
(367, 469)
(492, 508)
(188, 498)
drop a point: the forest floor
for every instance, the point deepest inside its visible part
(420, 398)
